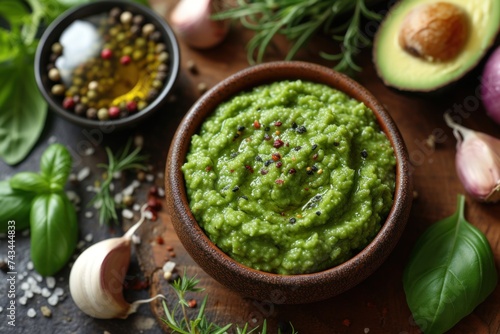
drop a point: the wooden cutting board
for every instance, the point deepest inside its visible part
(378, 304)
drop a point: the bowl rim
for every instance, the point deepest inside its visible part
(370, 256)
(54, 31)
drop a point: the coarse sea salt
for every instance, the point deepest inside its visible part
(127, 214)
(83, 174)
(53, 300)
(50, 281)
(46, 292)
(89, 237)
(29, 265)
(31, 313)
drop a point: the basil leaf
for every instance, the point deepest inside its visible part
(29, 181)
(15, 205)
(54, 232)
(451, 270)
(23, 109)
(55, 166)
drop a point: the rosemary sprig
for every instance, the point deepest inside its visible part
(123, 160)
(200, 324)
(298, 21)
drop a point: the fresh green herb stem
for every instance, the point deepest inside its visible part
(124, 160)
(298, 21)
(200, 324)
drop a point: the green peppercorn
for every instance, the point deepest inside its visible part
(92, 95)
(84, 100)
(103, 114)
(157, 84)
(77, 81)
(163, 57)
(162, 68)
(150, 58)
(127, 51)
(54, 74)
(58, 89)
(137, 55)
(140, 42)
(160, 47)
(141, 105)
(56, 48)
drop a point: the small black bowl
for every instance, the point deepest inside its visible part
(52, 35)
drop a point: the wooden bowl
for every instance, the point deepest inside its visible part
(283, 289)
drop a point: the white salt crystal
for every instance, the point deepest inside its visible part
(58, 291)
(29, 265)
(150, 177)
(53, 300)
(46, 292)
(127, 214)
(25, 286)
(23, 300)
(89, 214)
(51, 282)
(83, 174)
(31, 313)
(89, 237)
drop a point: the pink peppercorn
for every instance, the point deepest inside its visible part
(131, 106)
(114, 112)
(278, 143)
(106, 54)
(125, 60)
(68, 103)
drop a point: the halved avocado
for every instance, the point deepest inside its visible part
(423, 45)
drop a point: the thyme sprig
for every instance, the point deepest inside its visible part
(200, 324)
(123, 160)
(298, 21)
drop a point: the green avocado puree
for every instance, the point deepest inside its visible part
(292, 177)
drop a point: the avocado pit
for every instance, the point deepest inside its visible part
(435, 32)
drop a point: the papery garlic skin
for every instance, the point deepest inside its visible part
(192, 22)
(477, 162)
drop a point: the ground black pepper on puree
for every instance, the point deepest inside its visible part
(292, 177)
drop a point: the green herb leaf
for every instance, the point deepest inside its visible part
(54, 232)
(23, 109)
(451, 270)
(15, 205)
(55, 166)
(13, 11)
(30, 182)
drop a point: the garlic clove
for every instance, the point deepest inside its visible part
(96, 279)
(477, 162)
(191, 20)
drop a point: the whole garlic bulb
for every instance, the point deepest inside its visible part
(96, 278)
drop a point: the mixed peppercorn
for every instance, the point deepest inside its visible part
(124, 77)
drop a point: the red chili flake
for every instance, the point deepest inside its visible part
(256, 124)
(283, 214)
(125, 60)
(192, 303)
(292, 171)
(346, 322)
(263, 171)
(279, 164)
(384, 311)
(231, 171)
(315, 156)
(136, 283)
(277, 123)
(154, 204)
(106, 54)
(249, 168)
(208, 168)
(172, 254)
(114, 112)
(306, 189)
(170, 248)
(159, 240)
(287, 144)
(267, 137)
(276, 156)
(154, 190)
(68, 103)
(280, 182)
(278, 143)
